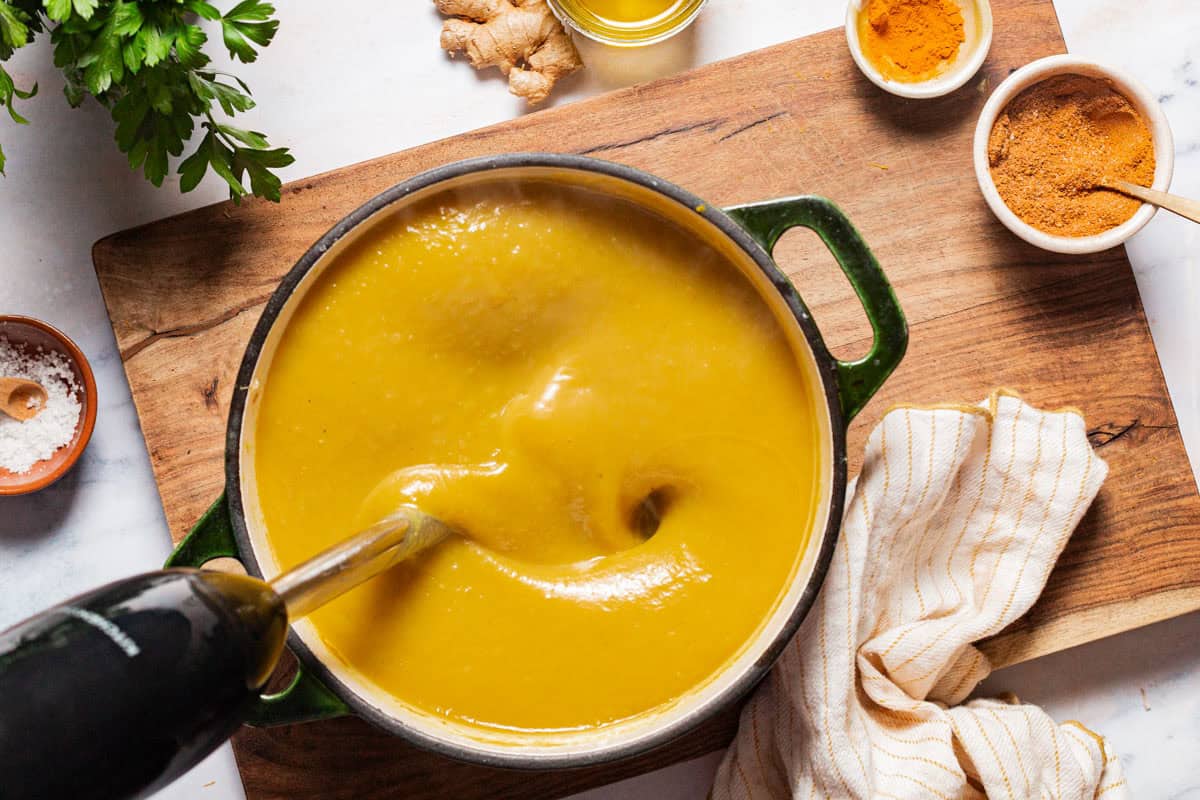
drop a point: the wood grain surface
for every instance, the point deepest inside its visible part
(985, 310)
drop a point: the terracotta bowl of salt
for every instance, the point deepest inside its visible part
(44, 448)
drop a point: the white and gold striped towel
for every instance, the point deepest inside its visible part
(950, 533)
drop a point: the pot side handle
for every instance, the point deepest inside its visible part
(857, 380)
(306, 698)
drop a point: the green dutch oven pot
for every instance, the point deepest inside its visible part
(324, 688)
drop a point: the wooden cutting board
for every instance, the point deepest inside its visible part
(985, 309)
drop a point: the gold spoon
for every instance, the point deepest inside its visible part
(21, 399)
(1188, 209)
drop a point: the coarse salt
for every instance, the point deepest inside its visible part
(23, 444)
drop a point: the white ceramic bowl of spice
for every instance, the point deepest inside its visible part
(38, 451)
(1052, 130)
(919, 48)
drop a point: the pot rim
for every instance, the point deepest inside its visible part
(826, 369)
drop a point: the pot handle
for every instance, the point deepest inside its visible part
(857, 380)
(306, 698)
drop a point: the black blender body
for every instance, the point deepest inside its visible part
(117, 692)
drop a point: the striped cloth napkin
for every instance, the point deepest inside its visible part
(950, 533)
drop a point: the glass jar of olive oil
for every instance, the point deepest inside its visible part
(627, 23)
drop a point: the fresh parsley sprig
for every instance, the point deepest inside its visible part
(144, 60)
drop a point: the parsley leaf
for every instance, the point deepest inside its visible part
(14, 29)
(145, 61)
(60, 10)
(246, 24)
(9, 92)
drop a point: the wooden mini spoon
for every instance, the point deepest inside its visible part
(1188, 209)
(16, 395)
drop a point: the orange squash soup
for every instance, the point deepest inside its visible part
(601, 401)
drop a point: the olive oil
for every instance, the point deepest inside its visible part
(628, 11)
(627, 22)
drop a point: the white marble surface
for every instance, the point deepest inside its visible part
(342, 93)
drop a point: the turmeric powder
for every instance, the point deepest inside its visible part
(910, 41)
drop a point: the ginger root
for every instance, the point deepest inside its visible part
(521, 37)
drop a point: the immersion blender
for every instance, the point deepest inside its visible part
(117, 692)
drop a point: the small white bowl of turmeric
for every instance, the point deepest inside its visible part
(919, 48)
(1055, 130)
